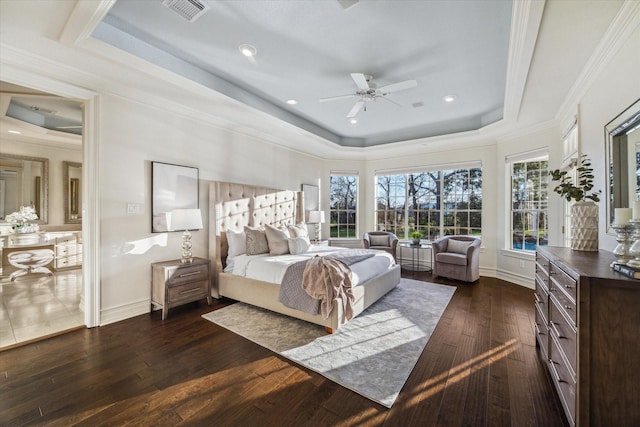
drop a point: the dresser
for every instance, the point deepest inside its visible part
(68, 251)
(174, 283)
(587, 321)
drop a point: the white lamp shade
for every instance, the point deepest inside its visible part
(185, 219)
(316, 217)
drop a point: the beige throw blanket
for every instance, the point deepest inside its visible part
(326, 278)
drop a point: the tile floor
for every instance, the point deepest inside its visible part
(33, 306)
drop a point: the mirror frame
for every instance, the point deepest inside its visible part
(611, 131)
(43, 215)
(66, 185)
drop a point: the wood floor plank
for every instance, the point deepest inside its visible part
(480, 368)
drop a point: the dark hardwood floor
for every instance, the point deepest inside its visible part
(480, 368)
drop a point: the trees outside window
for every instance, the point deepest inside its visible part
(529, 194)
(435, 203)
(343, 200)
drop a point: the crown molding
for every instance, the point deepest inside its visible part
(525, 25)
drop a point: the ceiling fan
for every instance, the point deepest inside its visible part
(367, 91)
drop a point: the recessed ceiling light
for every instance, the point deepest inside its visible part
(14, 131)
(449, 98)
(247, 50)
(353, 121)
(292, 102)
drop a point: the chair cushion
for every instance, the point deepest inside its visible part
(379, 240)
(458, 246)
(451, 258)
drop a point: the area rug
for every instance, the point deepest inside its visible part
(372, 355)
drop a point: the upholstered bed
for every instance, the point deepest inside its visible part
(234, 206)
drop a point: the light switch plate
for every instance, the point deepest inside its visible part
(133, 208)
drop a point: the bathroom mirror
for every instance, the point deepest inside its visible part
(24, 181)
(72, 176)
(622, 146)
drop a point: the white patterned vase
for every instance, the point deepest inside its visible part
(584, 226)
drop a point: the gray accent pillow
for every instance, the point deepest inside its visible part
(277, 239)
(256, 241)
(298, 245)
(457, 246)
(378, 240)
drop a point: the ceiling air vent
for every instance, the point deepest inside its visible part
(188, 9)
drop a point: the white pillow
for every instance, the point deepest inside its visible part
(458, 246)
(256, 241)
(237, 241)
(298, 230)
(277, 238)
(298, 245)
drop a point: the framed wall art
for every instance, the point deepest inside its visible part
(172, 187)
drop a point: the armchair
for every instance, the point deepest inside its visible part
(383, 240)
(457, 257)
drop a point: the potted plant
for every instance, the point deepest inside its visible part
(416, 236)
(584, 212)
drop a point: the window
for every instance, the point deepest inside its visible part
(435, 203)
(529, 184)
(343, 195)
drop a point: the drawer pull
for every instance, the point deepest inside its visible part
(555, 372)
(189, 274)
(189, 291)
(568, 286)
(558, 330)
(568, 307)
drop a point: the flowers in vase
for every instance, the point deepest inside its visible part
(20, 220)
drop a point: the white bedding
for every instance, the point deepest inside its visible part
(271, 269)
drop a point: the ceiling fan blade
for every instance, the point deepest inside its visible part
(360, 80)
(393, 102)
(355, 109)
(334, 98)
(395, 87)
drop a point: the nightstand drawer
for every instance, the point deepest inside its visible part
(192, 273)
(191, 291)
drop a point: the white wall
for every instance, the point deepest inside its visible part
(131, 136)
(615, 89)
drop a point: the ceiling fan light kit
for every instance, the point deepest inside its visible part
(369, 91)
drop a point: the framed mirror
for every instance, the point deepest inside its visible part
(24, 181)
(622, 146)
(72, 192)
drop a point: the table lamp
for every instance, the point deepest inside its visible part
(317, 218)
(187, 220)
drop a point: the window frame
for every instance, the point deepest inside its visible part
(335, 214)
(538, 206)
(437, 212)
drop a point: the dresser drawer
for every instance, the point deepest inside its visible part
(191, 273)
(565, 383)
(542, 301)
(563, 281)
(192, 291)
(565, 304)
(542, 332)
(564, 334)
(65, 250)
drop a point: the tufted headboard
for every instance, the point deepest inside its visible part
(232, 206)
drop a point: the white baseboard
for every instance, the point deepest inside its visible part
(518, 279)
(125, 311)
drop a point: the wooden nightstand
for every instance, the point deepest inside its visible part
(174, 283)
